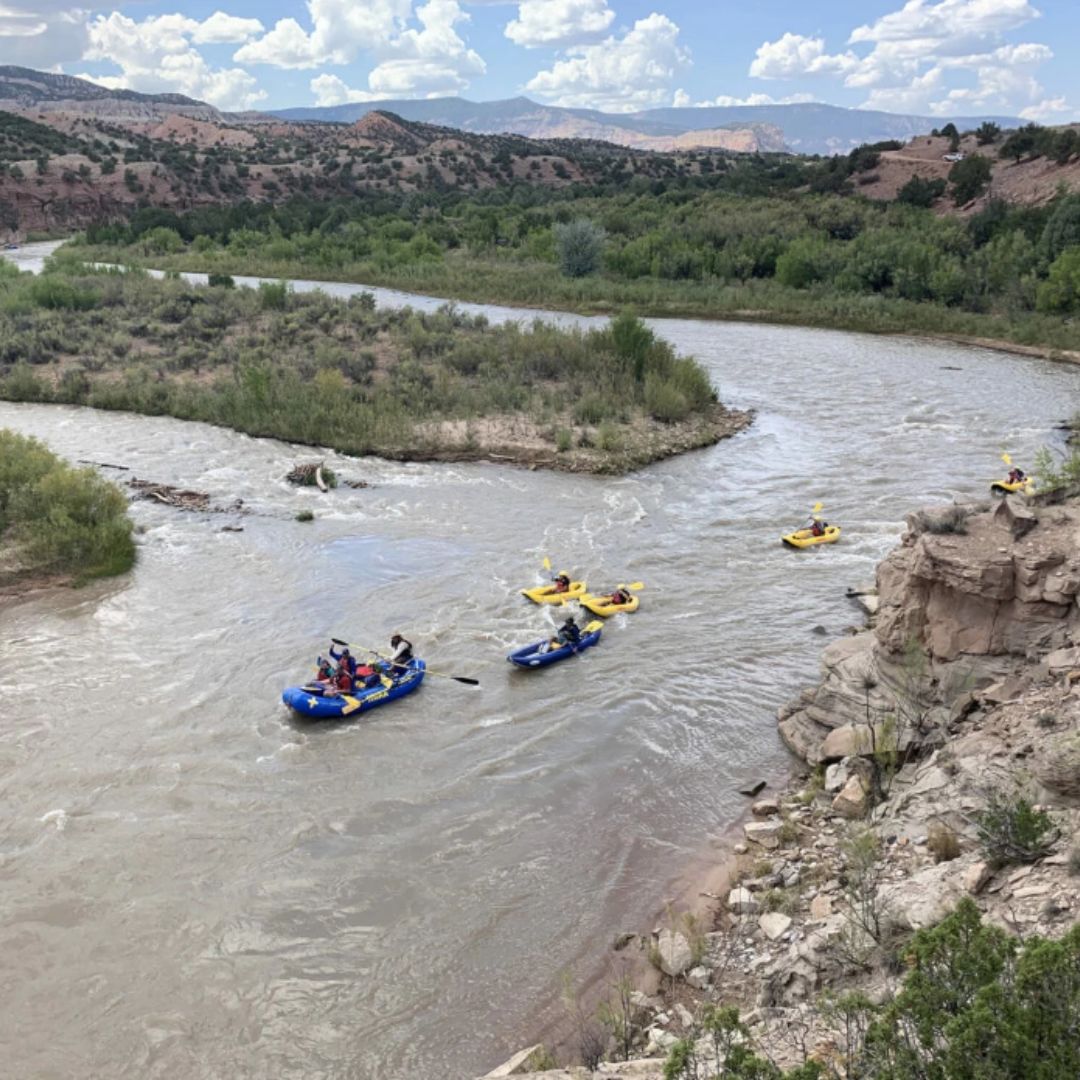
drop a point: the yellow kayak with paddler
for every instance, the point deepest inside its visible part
(1003, 487)
(602, 605)
(804, 538)
(548, 594)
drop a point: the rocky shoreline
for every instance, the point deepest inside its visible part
(961, 697)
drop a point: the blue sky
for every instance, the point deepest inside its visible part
(936, 57)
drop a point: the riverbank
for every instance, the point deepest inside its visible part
(400, 384)
(540, 287)
(941, 789)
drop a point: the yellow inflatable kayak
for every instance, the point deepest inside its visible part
(804, 538)
(600, 605)
(546, 594)
(1002, 487)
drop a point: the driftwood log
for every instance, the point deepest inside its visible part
(182, 498)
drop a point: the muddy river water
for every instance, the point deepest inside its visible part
(193, 884)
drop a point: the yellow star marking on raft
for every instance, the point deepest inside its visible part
(311, 702)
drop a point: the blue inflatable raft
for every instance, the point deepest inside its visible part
(531, 657)
(310, 701)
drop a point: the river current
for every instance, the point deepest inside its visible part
(193, 884)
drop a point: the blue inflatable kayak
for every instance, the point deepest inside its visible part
(311, 701)
(531, 657)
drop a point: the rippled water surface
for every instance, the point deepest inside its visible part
(195, 885)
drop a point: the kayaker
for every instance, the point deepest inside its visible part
(401, 651)
(1016, 476)
(818, 527)
(568, 634)
(619, 596)
(562, 584)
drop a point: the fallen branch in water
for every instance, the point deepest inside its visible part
(103, 465)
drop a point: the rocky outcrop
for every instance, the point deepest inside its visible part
(970, 598)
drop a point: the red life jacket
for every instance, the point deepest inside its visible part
(344, 680)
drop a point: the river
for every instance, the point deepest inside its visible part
(196, 885)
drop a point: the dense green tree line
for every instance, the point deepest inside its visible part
(1004, 258)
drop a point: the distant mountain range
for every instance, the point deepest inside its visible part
(807, 129)
(24, 88)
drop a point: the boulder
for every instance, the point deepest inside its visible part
(699, 978)
(774, 924)
(742, 902)
(820, 907)
(764, 833)
(765, 808)
(676, 955)
(977, 876)
(803, 736)
(852, 801)
(925, 898)
(837, 774)
(1062, 661)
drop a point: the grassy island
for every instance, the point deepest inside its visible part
(57, 521)
(321, 371)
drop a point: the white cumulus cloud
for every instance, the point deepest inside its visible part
(429, 62)
(794, 55)
(619, 74)
(559, 23)
(340, 31)
(943, 57)
(156, 55)
(684, 101)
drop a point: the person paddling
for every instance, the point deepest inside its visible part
(401, 652)
(619, 596)
(562, 584)
(1016, 476)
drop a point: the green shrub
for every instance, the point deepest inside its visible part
(564, 440)
(1011, 830)
(664, 402)
(591, 409)
(580, 247)
(969, 178)
(63, 519)
(274, 295)
(219, 281)
(305, 515)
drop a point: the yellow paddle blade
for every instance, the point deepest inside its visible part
(817, 507)
(547, 563)
(1006, 459)
(634, 587)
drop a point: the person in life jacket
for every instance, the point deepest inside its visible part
(568, 634)
(343, 679)
(401, 652)
(562, 584)
(818, 527)
(1016, 475)
(326, 672)
(346, 657)
(619, 596)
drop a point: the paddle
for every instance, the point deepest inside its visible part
(438, 675)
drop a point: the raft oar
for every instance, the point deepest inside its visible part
(438, 675)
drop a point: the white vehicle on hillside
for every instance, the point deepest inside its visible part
(953, 157)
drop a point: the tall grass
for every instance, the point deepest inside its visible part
(58, 518)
